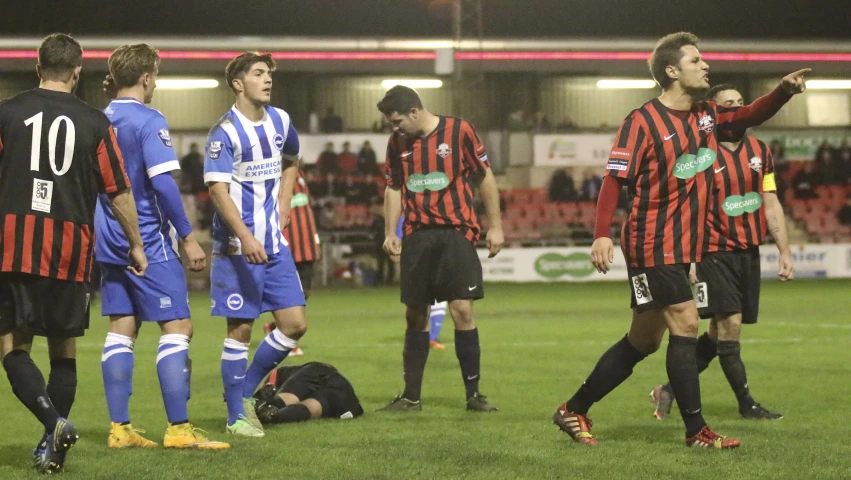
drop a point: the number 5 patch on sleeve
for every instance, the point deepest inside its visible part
(641, 289)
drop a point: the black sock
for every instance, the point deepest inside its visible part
(28, 385)
(681, 363)
(706, 350)
(292, 414)
(611, 370)
(278, 402)
(730, 358)
(62, 384)
(468, 352)
(413, 361)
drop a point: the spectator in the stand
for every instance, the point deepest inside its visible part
(353, 191)
(540, 122)
(566, 124)
(562, 188)
(328, 161)
(824, 153)
(318, 189)
(805, 182)
(517, 121)
(781, 166)
(843, 155)
(591, 184)
(347, 161)
(367, 160)
(382, 126)
(844, 215)
(332, 123)
(192, 171)
(837, 171)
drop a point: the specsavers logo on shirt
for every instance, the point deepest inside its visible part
(299, 200)
(433, 181)
(736, 205)
(689, 165)
(260, 170)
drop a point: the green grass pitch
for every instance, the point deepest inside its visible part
(539, 342)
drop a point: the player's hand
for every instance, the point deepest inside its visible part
(786, 269)
(602, 254)
(495, 240)
(195, 254)
(254, 251)
(110, 89)
(393, 245)
(138, 261)
(692, 274)
(794, 82)
(284, 221)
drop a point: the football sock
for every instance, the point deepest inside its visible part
(62, 384)
(292, 413)
(414, 358)
(438, 313)
(274, 349)
(278, 402)
(469, 353)
(706, 350)
(117, 367)
(730, 358)
(234, 361)
(28, 385)
(174, 370)
(611, 370)
(681, 364)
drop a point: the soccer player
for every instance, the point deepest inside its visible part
(250, 167)
(56, 155)
(303, 239)
(431, 162)
(161, 296)
(305, 392)
(664, 153)
(730, 268)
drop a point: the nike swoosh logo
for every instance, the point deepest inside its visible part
(473, 377)
(718, 170)
(406, 154)
(238, 378)
(472, 288)
(670, 136)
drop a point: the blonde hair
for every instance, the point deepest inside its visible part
(129, 62)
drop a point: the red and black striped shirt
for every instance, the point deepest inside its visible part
(434, 173)
(736, 217)
(301, 232)
(667, 159)
(56, 155)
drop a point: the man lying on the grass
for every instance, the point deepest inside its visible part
(305, 392)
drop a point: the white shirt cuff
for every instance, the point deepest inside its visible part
(215, 177)
(163, 168)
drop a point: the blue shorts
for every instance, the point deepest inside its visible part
(159, 296)
(242, 290)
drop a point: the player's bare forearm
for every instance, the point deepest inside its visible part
(288, 179)
(124, 207)
(490, 194)
(227, 209)
(776, 221)
(392, 210)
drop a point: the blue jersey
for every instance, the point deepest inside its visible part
(249, 156)
(144, 141)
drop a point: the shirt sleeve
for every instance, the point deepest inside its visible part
(218, 157)
(392, 166)
(291, 149)
(473, 149)
(157, 152)
(110, 172)
(628, 150)
(754, 114)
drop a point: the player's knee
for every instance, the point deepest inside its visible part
(462, 313)
(296, 329)
(240, 330)
(417, 318)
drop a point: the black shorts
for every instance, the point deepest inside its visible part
(323, 383)
(43, 306)
(657, 287)
(732, 284)
(439, 264)
(305, 273)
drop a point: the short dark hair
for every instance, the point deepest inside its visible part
(129, 62)
(239, 66)
(399, 99)
(714, 91)
(58, 56)
(668, 51)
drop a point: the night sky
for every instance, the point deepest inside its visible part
(766, 19)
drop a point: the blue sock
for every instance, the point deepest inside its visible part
(174, 370)
(117, 366)
(438, 312)
(274, 349)
(234, 360)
